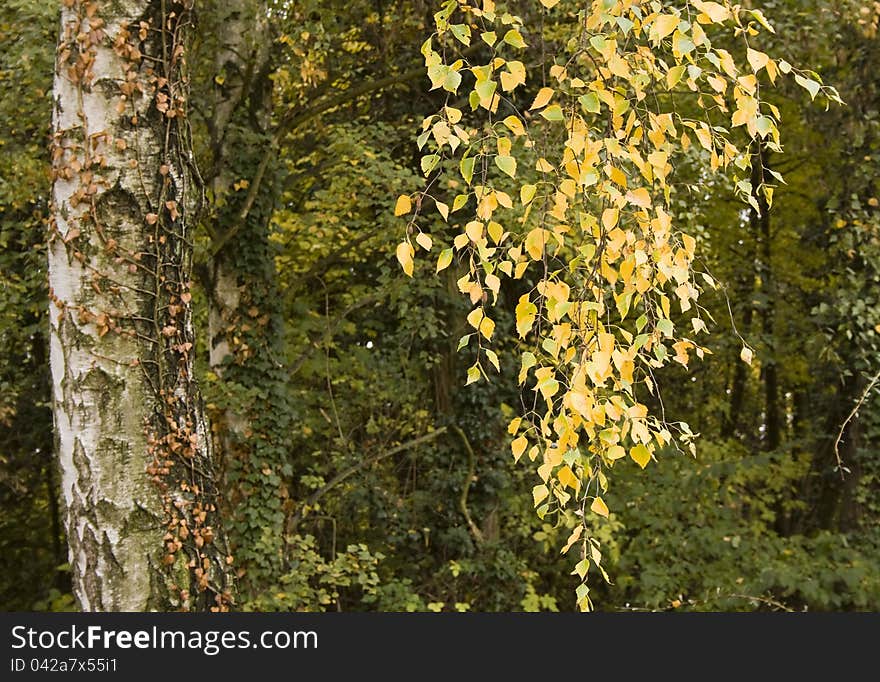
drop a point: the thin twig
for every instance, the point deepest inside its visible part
(339, 478)
(849, 418)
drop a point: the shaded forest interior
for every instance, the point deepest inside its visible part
(359, 472)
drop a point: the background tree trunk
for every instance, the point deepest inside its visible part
(251, 416)
(136, 468)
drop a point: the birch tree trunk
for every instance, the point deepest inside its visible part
(132, 441)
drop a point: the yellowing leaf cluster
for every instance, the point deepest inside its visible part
(590, 148)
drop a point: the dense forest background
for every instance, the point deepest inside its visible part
(366, 476)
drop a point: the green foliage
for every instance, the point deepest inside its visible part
(313, 583)
(704, 536)
(31, 546)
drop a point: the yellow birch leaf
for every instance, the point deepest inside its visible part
(757, 60)
(474, 230)
(640, 197)
(540, 493)
(715, 12)
(514, 125)
(403, 205)
(487, 326)
(527, 193)
(475, 317)
(543, 166)
(496, 231)
(526, 311)
(663, 25)
(494, 283)
(567, 478)
(544, 470)
(518, 447)
(542, 98)
(507, 164)
(640, 455)
(473, 374)
(599, 507)
(610, 216)
(424, 240)
(616, 452)
(535, 243)
(405, 253)
(444, 260)
(573, 538)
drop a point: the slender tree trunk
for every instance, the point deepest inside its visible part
(745, 292)
(772, 421)
(136, 467)
(731, 421)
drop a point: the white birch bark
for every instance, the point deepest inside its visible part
(120, 313)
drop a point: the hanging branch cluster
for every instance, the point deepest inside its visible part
(571, 193)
